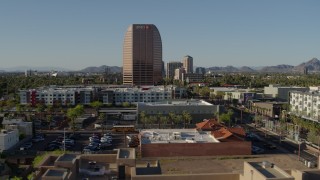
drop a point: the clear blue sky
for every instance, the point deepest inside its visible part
(78, 33)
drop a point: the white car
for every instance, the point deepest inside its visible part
(106, 140)
(106, 137)
(69, 141)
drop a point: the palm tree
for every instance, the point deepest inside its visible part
(186, 118)
(72, 115)
(49, 119)
(143, 119)
(178, 119)
(171, 117)
(158, 117)
(102, 117)
(151, 120)
(163, 120)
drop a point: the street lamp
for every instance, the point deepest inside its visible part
(299, 142)
(64, 139)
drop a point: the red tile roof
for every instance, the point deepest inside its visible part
(239, 131)
(220, 131)
(209, 125)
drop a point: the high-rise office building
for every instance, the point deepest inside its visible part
(171, 67)
(142, 55)
(188, 64)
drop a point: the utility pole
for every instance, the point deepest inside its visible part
(299, 150)
(64, 139)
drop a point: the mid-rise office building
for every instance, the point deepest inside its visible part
(192, 78)
(142, 55)
(200, 70)
(171, 67)
(178, 73)
(188, 64)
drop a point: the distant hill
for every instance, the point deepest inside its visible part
(111, 69)
(223, 69)
(39, 69)
(312, 65)
(246, 69)
(278, 68)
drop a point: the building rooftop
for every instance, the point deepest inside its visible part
(176, 136)
(126, 153)
(67, 157)
(56, 173)
(269, 170)
(178, 103)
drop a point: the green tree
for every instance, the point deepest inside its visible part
(143, 118)
(73, 113)
(186, 118)
(49, 120)
(125, 104)
(171, 118)
(96, 105)
(163, 120)
(158, 119)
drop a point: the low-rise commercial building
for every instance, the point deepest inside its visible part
(281, 92)
(113, 164)
(8, 138)
(22, 126)
(198, 109)
(188, 142)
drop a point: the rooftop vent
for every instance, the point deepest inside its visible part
(266, 164)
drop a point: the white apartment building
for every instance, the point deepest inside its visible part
(148, 94)
(8, 138)
(305, 104)
(50, 96)
(54, 95)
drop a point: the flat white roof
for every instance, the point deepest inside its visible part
(176, 136)
(179, 103)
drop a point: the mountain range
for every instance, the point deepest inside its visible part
(104, 68)
(312, 65)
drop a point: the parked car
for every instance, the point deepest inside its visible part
(26, 146)
(93, 137)
(269, 146)
(257, 150)
(105, 144)
(91, 148)
(52, 147)
(106, 140)
(37, 139)
(68, 141)
(106, 137)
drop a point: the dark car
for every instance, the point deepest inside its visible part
(269, 146)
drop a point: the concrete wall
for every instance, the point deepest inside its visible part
(218, 176)
(104, 158)
(196, 149)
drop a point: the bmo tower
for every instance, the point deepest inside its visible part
(142, 55)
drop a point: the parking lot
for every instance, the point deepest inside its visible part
(81, 140)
